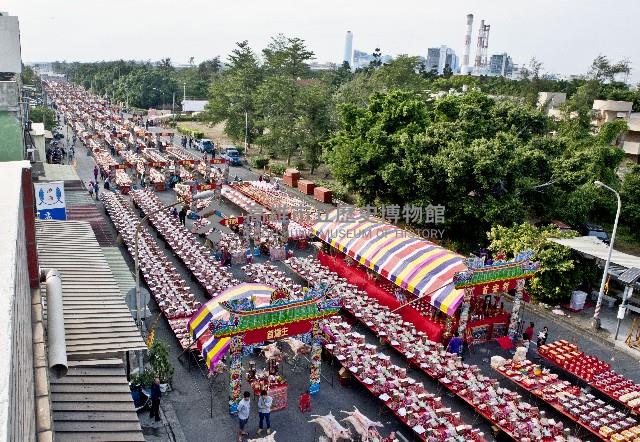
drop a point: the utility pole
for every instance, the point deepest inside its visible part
(184, 93)
(173, 110)
(246, 130)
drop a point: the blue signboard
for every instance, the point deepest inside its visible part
(50, 202)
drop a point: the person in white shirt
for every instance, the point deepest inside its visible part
(244, 407)
(264, 411)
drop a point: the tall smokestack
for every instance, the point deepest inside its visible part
(464, 70)
(348, 48)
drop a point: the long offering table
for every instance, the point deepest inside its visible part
(604, 421)
(593, 372)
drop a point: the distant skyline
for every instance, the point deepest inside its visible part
(564, 35)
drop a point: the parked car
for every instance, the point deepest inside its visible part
(590, 229)
(206, 146)
(232, 156)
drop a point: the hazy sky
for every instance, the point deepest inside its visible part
(564, 34)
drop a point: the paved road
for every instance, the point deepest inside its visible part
(194, 401)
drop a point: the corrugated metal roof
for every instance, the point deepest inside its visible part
(97, 320)
(122, 274)
(77, 198)
(93, 402)
(592, 246)
(105, 233)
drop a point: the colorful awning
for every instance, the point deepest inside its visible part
(214, 349)
(398, 255)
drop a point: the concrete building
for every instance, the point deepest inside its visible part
(610, 110)
(551, 102)
(631, 140)
(438, 58)
(191, 106)
(362, 59)
(62, 344)
(40, 136)
(348, 48)
(501, 65)
(18, 418)
(328, 66)
(11, 113)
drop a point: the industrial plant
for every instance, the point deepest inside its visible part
(443, 58)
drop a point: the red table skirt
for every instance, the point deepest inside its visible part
(359, 278)
(279, 395)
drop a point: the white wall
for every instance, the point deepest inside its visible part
(17, 409)
(10, 58)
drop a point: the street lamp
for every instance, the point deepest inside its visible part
(596, 316)
(140, 322)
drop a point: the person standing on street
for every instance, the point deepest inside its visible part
(244, 408)
(95, 172)
(455, 345)
(96, 189)
(183, 215)
(156, 394)
(529, 331)
(542, 336)
(264, 411)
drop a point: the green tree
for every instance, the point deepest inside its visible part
(611, 131)
(377, 59)
(286, 56)
(233, 94)
(560, 271)
(490, 162)
(603, 70)
(43, 114)
(317, 121)
(447, 72)
(29, 76)
(146, 88)
(631, 200)
(400, 73)
(209, 68)
(278, 101)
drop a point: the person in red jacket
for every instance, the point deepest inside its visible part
(529, 331)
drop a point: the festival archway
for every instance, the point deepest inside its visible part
(252, 313)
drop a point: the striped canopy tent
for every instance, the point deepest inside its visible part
(405, 259)
(213, 349)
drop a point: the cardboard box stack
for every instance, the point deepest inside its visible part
(291, 177)
(306, 187)
(322, 194)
